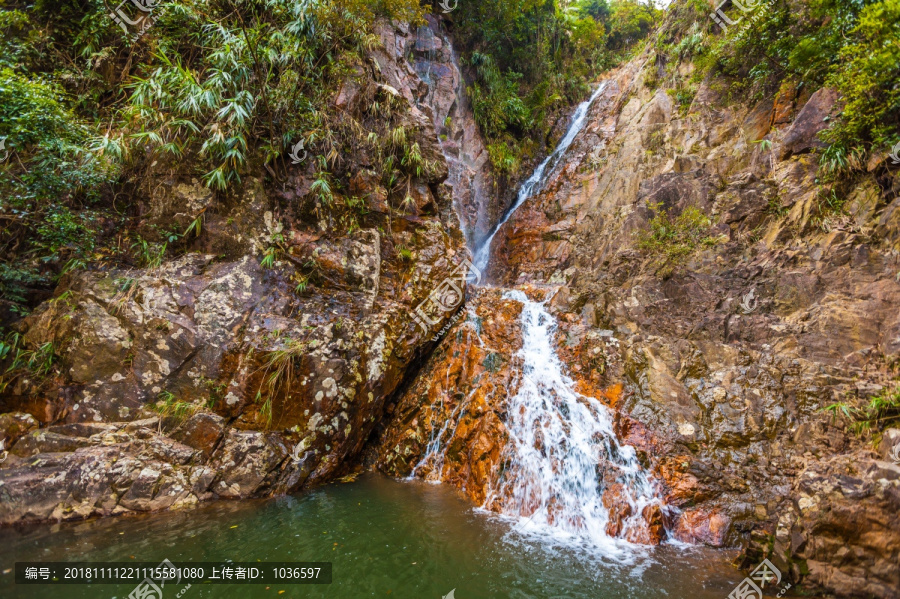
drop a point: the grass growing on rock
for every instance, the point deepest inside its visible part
(850, 45)
(278, 375)
(878, 413)
(669, 240)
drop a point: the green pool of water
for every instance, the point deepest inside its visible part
(386, 538)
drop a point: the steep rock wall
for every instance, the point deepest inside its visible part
(727, 348)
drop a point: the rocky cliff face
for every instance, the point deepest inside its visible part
(260, 362)
(718, 342)
(437, 65)
(705, 292)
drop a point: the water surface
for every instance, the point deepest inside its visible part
(386, 538)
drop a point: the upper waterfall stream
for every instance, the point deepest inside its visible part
(534, 183)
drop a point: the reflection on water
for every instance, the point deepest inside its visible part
(385, 538)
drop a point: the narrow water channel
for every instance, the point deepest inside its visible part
(386, 538)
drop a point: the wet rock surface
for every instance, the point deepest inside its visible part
(730, 354)
(458, 402)
(439, 88)
(452, 424)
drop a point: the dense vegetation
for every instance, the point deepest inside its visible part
(90, 111)
(223, 88)
(535, 58)
(216, 88)
(789, 45)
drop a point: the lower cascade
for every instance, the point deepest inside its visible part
(563, 473)
(564, 469)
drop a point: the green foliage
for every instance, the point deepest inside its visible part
(534, 58)
(672, 239)
(19, 360)
(867, 79)
(404, 253)
(629, 22)
(683, 94)
(278, 375)
(215, 88)
(852, 45)
(48, 175)
(596, 9)
(255, 84)
(495, 101)
(149, 254)
(880, 410)
(167, 406)
(15, 282)
(506, 155)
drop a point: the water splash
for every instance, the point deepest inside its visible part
(535, 182)
(562, 454)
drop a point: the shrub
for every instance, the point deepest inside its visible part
(867, 80)
(880, 411)
(672, 239)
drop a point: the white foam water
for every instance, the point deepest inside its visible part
(562, 450)
(534, 183)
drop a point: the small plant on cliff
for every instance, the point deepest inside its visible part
(302, 284)
(268, 259)
(405, 253)
(278, 375)
(167, 406)
(880, 410)
(11, 352)
(672, 239)
(37, 361)
(149, 254)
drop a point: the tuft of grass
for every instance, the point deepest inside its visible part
(268, 260)
(278, 375)
(880, 410)
(302, 284)
(405, 253)
(38, 362)
(673, 239)
(167, 406)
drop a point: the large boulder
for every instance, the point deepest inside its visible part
(815, 116)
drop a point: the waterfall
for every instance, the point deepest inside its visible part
(562, 454)
(562, 473)
(535, 182)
